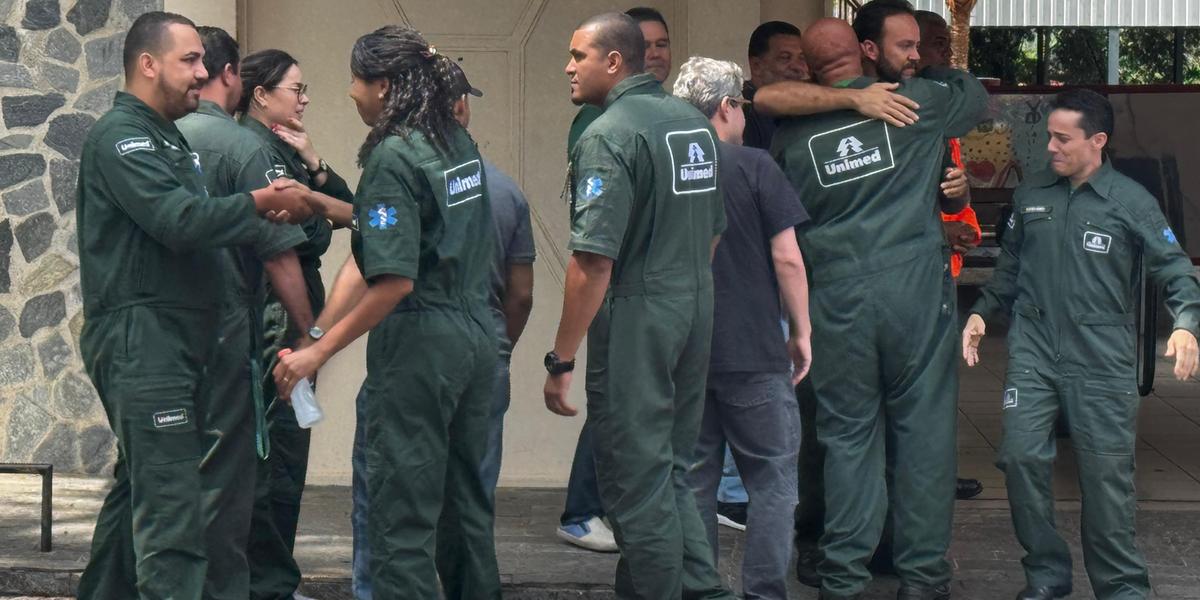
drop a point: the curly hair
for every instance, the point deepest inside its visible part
(420, 93)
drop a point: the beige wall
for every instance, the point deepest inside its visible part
(515, 51)
(216, 13)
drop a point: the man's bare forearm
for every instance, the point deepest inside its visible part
(287, 282)
(588, 276)
(518, 300)
(793, 281)
(801, 98)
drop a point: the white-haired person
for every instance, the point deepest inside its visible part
(750, 405)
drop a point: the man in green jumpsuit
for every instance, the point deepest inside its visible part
(274, 573)
(234, 160)
(152, 279)
(1068, 273)
(646, 213)
(883, 310)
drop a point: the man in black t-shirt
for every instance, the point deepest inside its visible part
(749, 403)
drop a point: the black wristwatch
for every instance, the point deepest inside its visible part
(557, 366)
(322, 167)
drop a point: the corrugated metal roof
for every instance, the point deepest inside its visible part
(1078, 13)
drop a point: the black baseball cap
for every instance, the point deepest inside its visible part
(461, 85)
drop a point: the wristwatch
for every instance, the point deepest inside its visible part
(315, 332)
(557, 366)
(322, 167)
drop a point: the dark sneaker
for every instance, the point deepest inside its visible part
(806, 567)
(912, 591)
(732, 515)
(1050, 592)
(965, 489)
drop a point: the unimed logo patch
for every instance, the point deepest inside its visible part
(171, 418)
(134, 144)
(852, 152)
(464, 183)
(693, 161)
(1097, 242)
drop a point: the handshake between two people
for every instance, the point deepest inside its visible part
(286, 201)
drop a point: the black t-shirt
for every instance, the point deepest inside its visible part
(759, 203)
(759, 127)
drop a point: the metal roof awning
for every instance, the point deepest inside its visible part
(1077, 13)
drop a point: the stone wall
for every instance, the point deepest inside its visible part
(60, 65)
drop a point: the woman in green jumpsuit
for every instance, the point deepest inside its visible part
(274, 101)
(423, 243)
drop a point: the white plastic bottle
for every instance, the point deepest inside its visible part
(304, 402)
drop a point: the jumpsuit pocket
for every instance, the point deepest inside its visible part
(1107, 340)
(160, 419)
(1104, 420)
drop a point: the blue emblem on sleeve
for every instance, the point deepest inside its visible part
(1169, 235)
(382, 217)
(591, 188)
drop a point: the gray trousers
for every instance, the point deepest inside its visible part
(756, 414)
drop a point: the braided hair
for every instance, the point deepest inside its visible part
(420, 93)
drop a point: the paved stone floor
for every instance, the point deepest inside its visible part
(534, 564)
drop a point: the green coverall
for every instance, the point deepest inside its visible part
(273, 571)
(1068, 273)
(152, 279)
(644, 193)
(234, 160)
(884, 324)
(424, 214)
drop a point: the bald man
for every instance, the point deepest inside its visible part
(879, 259)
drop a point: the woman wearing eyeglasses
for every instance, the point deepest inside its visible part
(272, 106)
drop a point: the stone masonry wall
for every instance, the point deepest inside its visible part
(60, 65)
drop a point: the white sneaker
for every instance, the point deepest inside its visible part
(592, 534)
(298, 596)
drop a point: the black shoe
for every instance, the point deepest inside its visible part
(1049, 592)
(827, 596)
(965, 489)
(732, 515)
(806, 567)
(912, 591)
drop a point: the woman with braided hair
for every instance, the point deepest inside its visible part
(423, 243)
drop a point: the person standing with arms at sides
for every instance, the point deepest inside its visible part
(1068, 273)
(750, 405)
(511, 301)
(151, 276)
(424, 244)
(274, 100)
(582, 521)
(876, 384)
(234, 160)
(646, 215)
(775, 54)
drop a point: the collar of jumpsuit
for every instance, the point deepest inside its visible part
(1101, 182)
(212, 109)
(134, 103)
(628, 84)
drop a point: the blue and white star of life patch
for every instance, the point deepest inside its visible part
(1169, 235)
(591, 188)
(382, 216)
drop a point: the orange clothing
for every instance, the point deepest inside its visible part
(966, 216)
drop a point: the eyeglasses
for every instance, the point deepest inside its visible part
(736, 103)
(300, 89)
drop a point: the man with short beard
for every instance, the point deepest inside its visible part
(883, 304)
(150, 270)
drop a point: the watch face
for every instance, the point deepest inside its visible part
(315, 332)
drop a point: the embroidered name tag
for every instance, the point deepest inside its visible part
(171, 418)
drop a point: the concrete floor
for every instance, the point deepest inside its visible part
(534, 564)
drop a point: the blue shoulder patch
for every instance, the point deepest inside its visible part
(591, 188)
(382, 216)
(1169, 235)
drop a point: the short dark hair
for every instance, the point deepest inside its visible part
(868, 23)
(220, 49)
(1095, 110)
(147, 34)
(760, 40)
(619, 32)
(264, 68)
(641, 14)
(925, 17)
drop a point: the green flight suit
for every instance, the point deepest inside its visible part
(152, 279)
(644, 193)
(234, 160)
(273, 570)
(885, 328)
(583, 119)
(424, 214)
(1068, 273)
